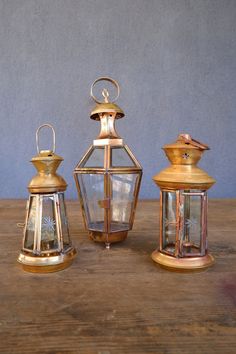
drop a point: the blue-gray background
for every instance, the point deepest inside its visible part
(175, 61)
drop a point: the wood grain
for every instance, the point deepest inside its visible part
(118, 300)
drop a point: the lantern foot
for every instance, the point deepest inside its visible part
(48, 264)
(187, 263)
(99, 236)
(107, 245)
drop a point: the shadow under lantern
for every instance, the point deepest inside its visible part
(108, 177)
(183, 207)
(46, 242)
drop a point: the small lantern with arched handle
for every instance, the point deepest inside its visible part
(46, 243)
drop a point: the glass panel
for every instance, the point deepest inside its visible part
(92, 190)
(48, 226)
(64, 221)
(169, 222)
(96, 158)
(121, 158)
(30, 227)
(190, 211)
(122, 200)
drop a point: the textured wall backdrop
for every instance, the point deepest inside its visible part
(175, 61)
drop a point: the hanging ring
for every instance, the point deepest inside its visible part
(53, 133)
(105, 92)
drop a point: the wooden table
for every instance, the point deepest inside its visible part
(118, 300)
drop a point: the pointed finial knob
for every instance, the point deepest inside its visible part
(106, 95)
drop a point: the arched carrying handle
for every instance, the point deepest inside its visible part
(37, 136)
(105, 92)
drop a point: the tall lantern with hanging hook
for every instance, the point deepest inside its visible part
(108, 176)
(46, 243)
(183, 207)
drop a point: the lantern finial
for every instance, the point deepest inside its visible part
(108, 105)
(188, 140)
(106, 95)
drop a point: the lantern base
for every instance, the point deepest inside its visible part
(38, 264)
(188, 263)
(108, 238)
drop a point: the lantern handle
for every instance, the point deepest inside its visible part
(105, 92)
(53, 133)
(189, 140)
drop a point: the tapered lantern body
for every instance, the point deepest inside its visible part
(46, 242)
(183, 207)
(108, 178)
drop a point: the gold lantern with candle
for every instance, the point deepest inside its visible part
(183, 207)
(108, 176)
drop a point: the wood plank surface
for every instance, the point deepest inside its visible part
(118, 300)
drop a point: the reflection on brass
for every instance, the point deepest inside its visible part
(190, 263)
(47, 264)
(183, 239)
(113, 224)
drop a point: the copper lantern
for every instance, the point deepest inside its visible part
(46, 243)
(183, 207)
(108, 176)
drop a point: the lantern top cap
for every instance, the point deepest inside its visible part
(186, 141)
(46, 163)
(107, 106)
(183, 172)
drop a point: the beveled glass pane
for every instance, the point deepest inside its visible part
(64, 220)
(96, 158)
(49, 239)
(30, 226)
(121, 158)
(92, 190)
(190, 240)
(169, 222)
(123, 188)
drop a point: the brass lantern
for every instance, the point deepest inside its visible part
(46, 242)
(183, 207)
(108, 177)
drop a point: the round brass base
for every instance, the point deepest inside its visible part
(36, 264)
(188, 263)
(108, 238)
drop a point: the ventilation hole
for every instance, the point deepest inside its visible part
(185, 156)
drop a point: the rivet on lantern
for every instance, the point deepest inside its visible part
(183, 207)
(108, 176)
(46, 243)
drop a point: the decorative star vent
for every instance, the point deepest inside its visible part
(185, 156)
